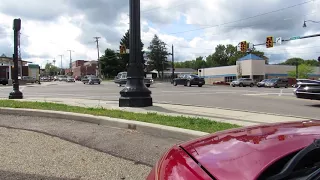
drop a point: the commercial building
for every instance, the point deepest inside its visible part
(6, 68)
(82, 68)
(249, 66)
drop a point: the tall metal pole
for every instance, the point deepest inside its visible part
(16, 93)
(172, 66)
(61, 64)
(98, 49)
(135, 94)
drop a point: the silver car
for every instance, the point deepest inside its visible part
(242, 82)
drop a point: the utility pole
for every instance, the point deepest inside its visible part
(70, 65)
(61, 64)
(99, 64)
(172, 56)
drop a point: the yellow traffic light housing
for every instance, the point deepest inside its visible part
(243, 46)
(269, 42)
(122, 49)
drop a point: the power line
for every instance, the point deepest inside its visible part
(251, 17)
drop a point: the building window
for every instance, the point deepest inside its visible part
(230, 78)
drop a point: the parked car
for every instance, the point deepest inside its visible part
(70, 79)
(189, 80)
(121, 79)
(308, 90)
(3, 81)
(282, 151)
(262, 83)
(90, 79)
(242, 82)
(62, 78)
(277, 83)
(77, 78)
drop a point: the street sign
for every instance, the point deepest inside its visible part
(295, 37)
(279, 40)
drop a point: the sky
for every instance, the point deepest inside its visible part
(195, 27)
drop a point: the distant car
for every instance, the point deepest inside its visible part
(282, 151)
(29, 79)
(189, 80)
(262, 83)
(277, 83)
(3, 81)
(70, 79)
(242, 82)
(121, 79)
(90, 79)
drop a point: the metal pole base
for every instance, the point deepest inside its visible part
(15, 94)
(135, 94)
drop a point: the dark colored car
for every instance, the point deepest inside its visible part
(189, 80)
(3, 81)
(277, 83)
(262, 83)
(310, 90)
(282, 151)
(121, 79)
(91, 79)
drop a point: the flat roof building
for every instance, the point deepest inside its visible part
(249, 66)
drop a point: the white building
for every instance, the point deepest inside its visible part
(249, 66)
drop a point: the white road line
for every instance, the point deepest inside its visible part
(266, 94)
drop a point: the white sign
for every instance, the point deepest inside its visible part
(279, 40)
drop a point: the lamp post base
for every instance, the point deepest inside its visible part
(16, 95)
(135, 94)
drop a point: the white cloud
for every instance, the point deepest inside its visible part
(48, 32)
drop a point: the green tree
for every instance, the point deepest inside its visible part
(199, 63)
(110, 63)
(293, 61)
(124, 58)
(51, 70)
(158, 53)
(303, 71)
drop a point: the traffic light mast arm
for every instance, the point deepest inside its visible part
(286, 40)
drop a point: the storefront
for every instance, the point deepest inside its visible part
(249, 66)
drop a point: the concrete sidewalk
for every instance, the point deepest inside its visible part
(222, 115)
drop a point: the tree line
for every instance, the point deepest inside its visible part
(112, 62)
(224, 55)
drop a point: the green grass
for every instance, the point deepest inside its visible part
(198, 124)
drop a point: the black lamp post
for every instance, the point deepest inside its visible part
(16, 94)
(305, 25)
(135, 93)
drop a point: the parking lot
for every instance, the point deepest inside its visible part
(269, 100)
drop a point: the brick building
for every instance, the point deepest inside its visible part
(82, 68)
(6, 68)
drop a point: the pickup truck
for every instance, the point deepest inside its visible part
(121, 79)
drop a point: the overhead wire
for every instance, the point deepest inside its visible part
(247, 18)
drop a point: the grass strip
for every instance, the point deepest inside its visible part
(198, 124)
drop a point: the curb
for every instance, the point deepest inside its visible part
(149, 128)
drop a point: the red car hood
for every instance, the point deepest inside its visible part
(243, 154)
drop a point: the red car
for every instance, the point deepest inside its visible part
(283, 151)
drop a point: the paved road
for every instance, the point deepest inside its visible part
(82, 151)
(279, 101)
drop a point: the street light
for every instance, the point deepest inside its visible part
(305, 25)
(135, 94)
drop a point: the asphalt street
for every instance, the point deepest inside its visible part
(50, 148)
(270, 100)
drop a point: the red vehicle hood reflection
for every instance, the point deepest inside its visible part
(246, 153)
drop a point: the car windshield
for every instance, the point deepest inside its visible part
(194, 76)
(265, 80)
(273, 80)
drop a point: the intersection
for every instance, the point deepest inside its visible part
(266, 100)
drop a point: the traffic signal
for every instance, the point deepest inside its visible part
(269, 42)
(122, 49)
(243, 46)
